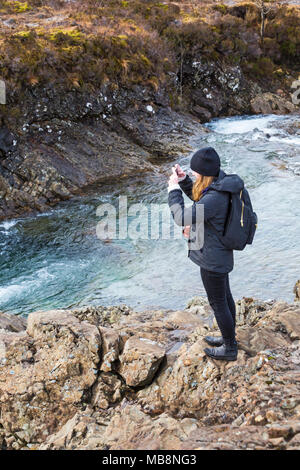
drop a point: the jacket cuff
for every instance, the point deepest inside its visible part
(173, 186)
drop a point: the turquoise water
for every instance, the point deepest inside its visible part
(55, 260)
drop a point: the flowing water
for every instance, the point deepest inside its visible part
(55, 260)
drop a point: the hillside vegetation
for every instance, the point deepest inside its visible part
(81, 45)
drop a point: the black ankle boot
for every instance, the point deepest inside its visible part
(214, 340)
(227, 352)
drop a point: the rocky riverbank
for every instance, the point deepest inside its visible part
(60, 157)
(113, 378)
(94, 94)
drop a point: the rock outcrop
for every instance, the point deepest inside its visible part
(269, 103)
(110, 377)
(56, 157)
(45, 373)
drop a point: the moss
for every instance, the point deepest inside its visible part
(279, 72)
(66, 36)
(21, 7)
(120, 40)
(145, 60)
(164, 6)
(23, 34)
(221, 8)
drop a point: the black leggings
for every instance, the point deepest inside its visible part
(221, 301)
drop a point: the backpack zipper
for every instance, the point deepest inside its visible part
(242, 215)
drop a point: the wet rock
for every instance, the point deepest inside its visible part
(140, 360)
(6, 141)
(202, 113)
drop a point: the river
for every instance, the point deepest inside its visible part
(55, 260)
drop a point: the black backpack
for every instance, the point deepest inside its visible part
(241, 222)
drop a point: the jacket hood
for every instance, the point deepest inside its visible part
(230, 183)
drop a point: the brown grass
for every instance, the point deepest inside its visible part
(83, 43)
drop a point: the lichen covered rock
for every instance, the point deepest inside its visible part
(45, 373)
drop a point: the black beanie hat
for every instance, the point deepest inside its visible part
(206, 161)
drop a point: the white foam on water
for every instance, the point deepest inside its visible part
(286, 140)
(14, 291)
(44, 274)
(238, 125)
(7, 292)
(8, 224)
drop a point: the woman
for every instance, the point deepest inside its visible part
(212, 188)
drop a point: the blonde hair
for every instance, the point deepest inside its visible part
(200, 184)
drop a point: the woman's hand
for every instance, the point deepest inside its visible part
(180, 173)
(177, 175)
(174, 177)
(186, 231)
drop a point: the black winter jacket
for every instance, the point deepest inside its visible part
(213, 256)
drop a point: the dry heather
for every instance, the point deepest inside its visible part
(83, 44)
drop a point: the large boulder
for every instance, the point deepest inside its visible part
(269, 103)
(140, 360)
(45, 373)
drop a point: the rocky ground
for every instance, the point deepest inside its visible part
(113, 378)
